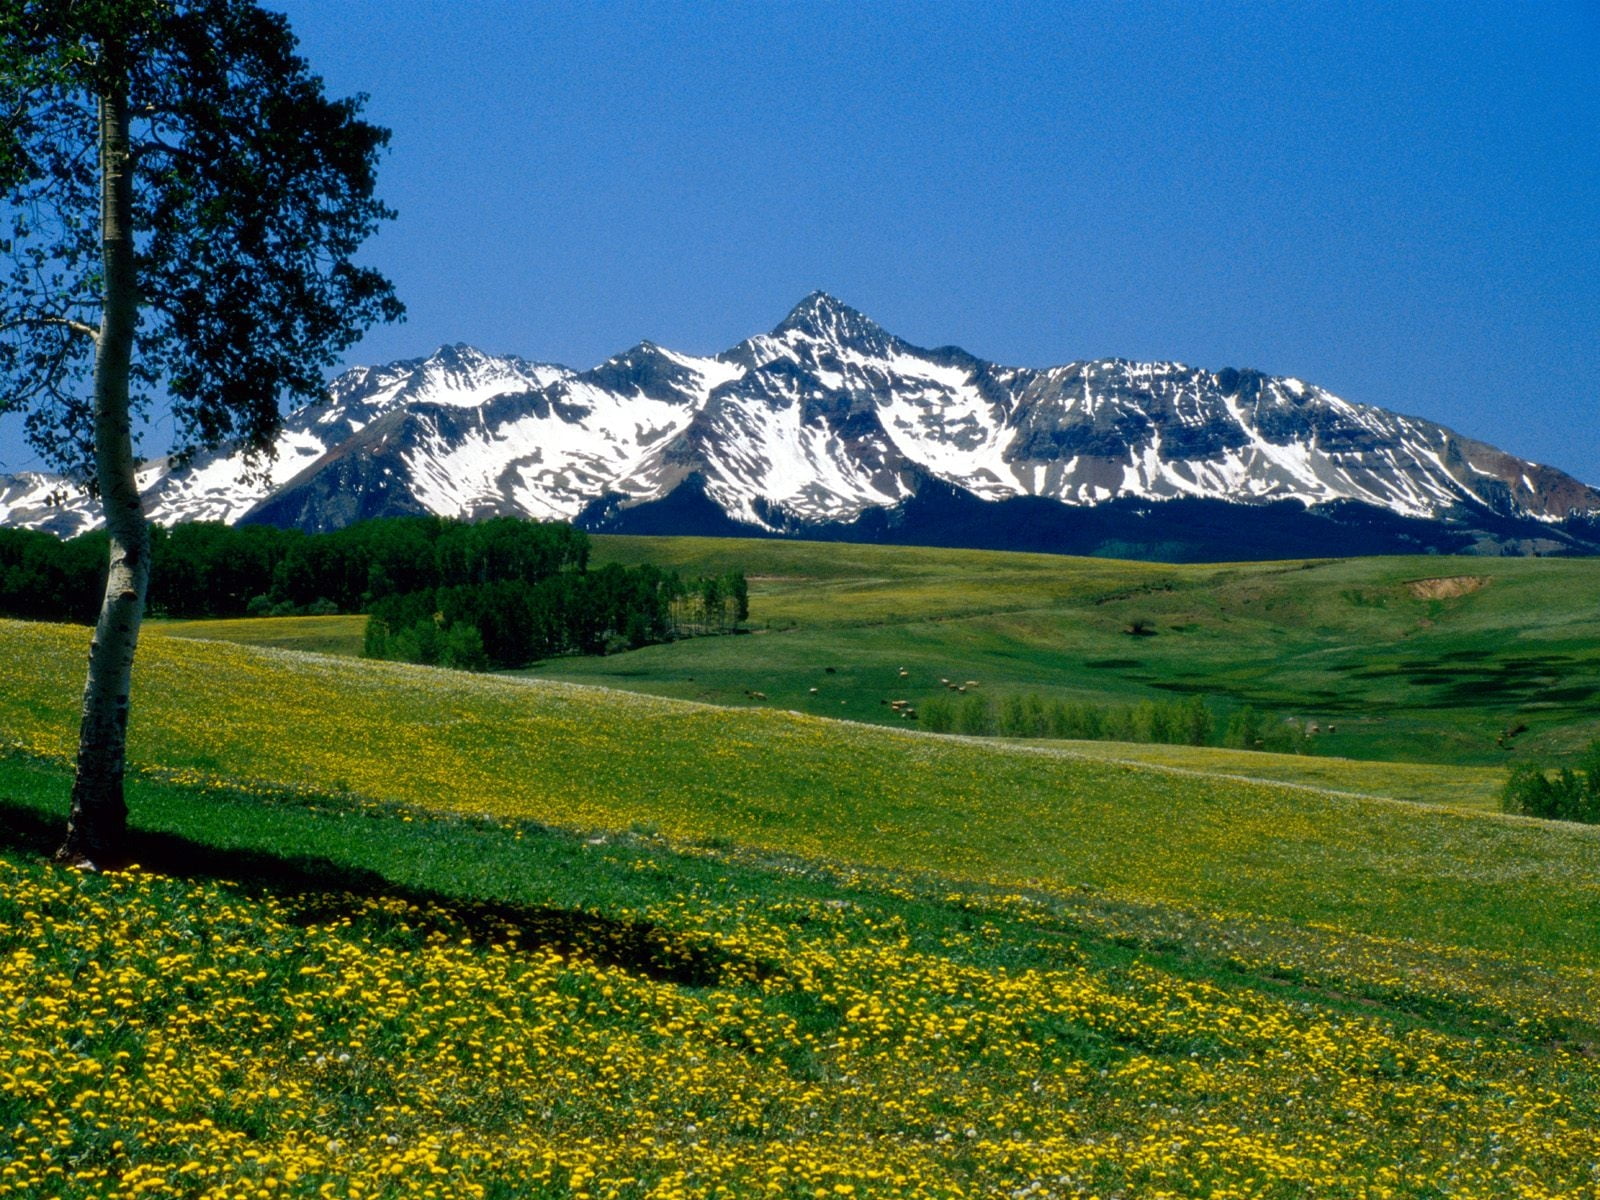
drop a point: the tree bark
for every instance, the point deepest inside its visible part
(97, 826)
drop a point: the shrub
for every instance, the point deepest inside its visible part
(938, 715)
(1568, 795)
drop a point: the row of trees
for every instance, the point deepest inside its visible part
(206, 569)
(211, 570)
(497, 593)
(510, 623)
(45, 579)
(1189, 721)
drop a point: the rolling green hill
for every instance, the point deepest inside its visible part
(1412, 659)
(586, 758)
(1418, 660)
(437, 934)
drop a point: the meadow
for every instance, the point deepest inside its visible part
(400, 931)
(620, 1018)
(1426, 660)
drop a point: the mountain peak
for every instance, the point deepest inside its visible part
(822, 316)
(451, 352)
(830, 417)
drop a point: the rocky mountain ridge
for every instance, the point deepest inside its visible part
(830, 423)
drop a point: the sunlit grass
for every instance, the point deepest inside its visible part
(342, 633)
(1387, 665)
(495, 937)
(1424, 783)
(584, 758)
(1401, 669)
(624, 1021)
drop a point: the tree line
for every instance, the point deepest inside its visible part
(1564, 794)
(511, 623)
(1189, 721)
(495, 593)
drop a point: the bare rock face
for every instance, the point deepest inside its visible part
(829, 423)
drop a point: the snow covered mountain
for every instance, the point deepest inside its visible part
(828, 425)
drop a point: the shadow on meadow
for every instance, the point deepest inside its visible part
(318, 890)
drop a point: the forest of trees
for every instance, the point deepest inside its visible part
(496, 593)
(511, 622)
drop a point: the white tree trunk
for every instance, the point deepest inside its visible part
(97, 826)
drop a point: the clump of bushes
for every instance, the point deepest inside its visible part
(1187, 721)
(1564, 795)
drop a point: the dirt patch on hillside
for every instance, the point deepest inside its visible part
(1446, 588)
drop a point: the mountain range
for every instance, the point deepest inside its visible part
(831, 427)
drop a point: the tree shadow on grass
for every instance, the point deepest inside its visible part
(317, 890)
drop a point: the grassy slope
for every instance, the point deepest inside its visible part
(340, 634)
(788, 782)
(1386, 672)
(1211, 987)
(1346, 642)
(1425, 783)
(622, 1020)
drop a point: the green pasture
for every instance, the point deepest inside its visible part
(337, 634)
(488, 935)
(1425, 660)
(302, 993)
(775, 781)
(1423, 783)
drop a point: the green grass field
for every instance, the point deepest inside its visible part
(409, 932)
(1420, 660)
(434, 935)
(1013, 816)
(1409, 659)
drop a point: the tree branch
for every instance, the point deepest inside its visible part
(78, 327)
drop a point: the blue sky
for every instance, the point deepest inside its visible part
(1399, 202)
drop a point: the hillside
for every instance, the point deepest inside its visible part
(1417, 660)
(577, 757)
(1425, 659)
(448, 934)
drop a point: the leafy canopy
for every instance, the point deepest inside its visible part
(252, 190)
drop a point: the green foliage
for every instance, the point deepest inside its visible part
(500, 593)
(514, 621)
(1249, 729)
(251, 191)
(43, 578)
(1029, 715)
(975, 717)
(207, 569)
(1568, 795)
